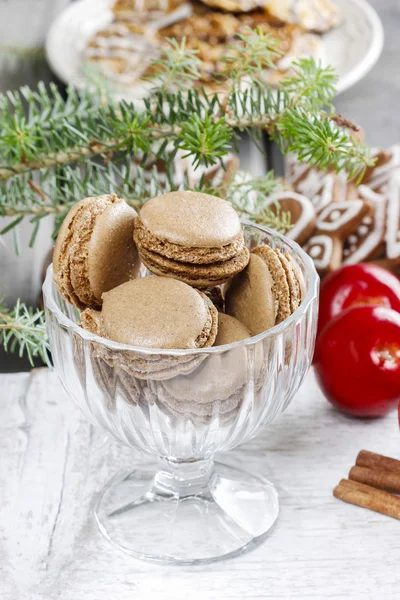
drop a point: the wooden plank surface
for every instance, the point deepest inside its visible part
(53, 463)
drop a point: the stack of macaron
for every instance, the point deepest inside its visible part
(191, 243)
(177, 276)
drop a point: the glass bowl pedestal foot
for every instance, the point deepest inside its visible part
(187, 513)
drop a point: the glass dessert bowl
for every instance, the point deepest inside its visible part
(181, 407)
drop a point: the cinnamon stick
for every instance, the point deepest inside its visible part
(368, 497)
(385, 480)
(377, 461)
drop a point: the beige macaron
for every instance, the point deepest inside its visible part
(267, 292)
(155, 312)
(190, 236)
(94, 251)
(230, 330)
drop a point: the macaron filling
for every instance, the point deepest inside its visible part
(197, 275)
(186, 254)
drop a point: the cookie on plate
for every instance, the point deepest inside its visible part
(311, 15)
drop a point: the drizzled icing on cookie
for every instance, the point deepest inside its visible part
(370, 232)
(393, 218)
(325, 252)
(339, 216)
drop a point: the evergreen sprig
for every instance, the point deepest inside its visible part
(249, 196)
(252, 53)
(24, 328)
(76, 129)
(176, 66)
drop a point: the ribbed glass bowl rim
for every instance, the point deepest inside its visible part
(311, 295)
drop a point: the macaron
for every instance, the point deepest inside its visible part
(94, 250)
(230, 330)
(156, 312)
(249, 297)
(267, 292)
(194, 237)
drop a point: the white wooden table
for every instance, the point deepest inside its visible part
(52, 464)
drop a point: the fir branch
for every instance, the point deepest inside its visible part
(24, 328)
(249, 196)
(55, 193)
(45, 137)
(49, 192)
(252, 52)
(312, 85)
(205, 140)
(319, 141)
(177, 67)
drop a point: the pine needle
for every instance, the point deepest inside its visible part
(23, 329)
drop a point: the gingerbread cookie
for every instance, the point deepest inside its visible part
(366, 242)
(319, 187)
(326, 252)
(339, 219)
(392, 237)
(387, 161)
(302, 213)
(305, 45)
(311, 15)
(235, 5)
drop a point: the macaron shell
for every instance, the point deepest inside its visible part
(112, 255)
(87, 251)
(201, 276)
(191, 219)
(78, 248)
(230, 330)
(61, 267)
(156, 366)
(293, 284)
(300, 277)
(215, 380)
(280, 287)
(155, 312)
(91, 321)
(249, 297)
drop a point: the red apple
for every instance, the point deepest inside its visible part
(354, 285)
(357, 360)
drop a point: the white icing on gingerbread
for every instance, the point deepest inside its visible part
(393, 218)
(338, 214)
(307, 214)
(318, 187)
(320, 248)
(380, 175)
(363, 230)
(294, 169)
(375, 232)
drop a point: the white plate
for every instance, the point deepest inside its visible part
(352, 48)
